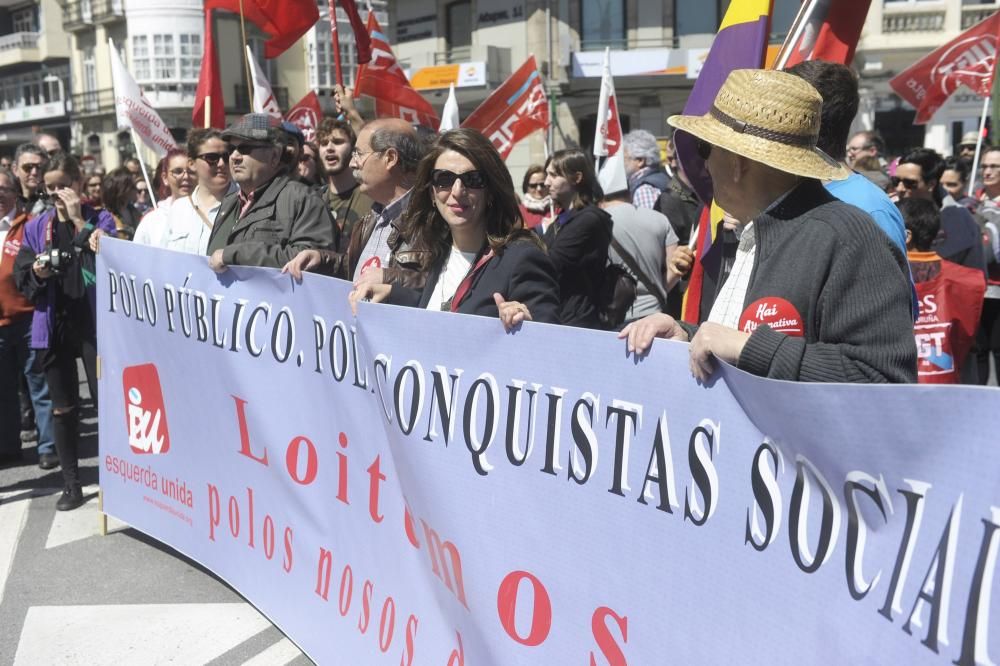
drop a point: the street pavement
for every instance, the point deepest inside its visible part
(69, 595)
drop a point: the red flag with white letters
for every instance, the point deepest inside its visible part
(969, 59)
(306, 115)
(514, 110)
(383, 79)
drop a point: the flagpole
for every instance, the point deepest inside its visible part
(246, 63)
(979, 145)
(208, 111)
(142, 166)
(798, 27)
(335, 41)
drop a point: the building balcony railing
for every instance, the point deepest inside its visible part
(19, 40)
(973, 15)
(79, 14)
(242, 98)
(93, 102)
(626, 44)
(913, 21)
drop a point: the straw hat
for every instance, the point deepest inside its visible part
(770, 117)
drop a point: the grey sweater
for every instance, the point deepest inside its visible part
(848, 282)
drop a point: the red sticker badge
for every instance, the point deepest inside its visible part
(374, 262)
(780, 315)
(145, 412)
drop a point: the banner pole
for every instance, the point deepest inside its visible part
(142, 166)
(798, 27)
(335, 41)
(208, 111)
(246, 62)
(979, 146)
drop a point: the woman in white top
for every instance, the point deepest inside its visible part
(190, 218)
(175, 179)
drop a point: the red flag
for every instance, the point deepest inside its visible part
(383, 79)
(969, 59)
(306, 115)
(824, 30)
(209, 84)
(514, 110)
(284, 20)
(361, 37)
(691, 305)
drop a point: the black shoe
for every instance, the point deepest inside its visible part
(72, 498)
(48, 461)
(28, 435)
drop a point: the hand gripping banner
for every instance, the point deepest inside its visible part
(414, 487)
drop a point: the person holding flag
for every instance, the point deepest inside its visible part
(817, 292)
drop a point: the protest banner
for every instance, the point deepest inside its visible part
(306, 115)
(412, 486)
(133, 111)
(514, 110)
(608, 133)
(284, 21)
(262, 99)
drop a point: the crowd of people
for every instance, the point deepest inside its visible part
(821, 269)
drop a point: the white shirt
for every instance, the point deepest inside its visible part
(729, 305)
(186, 230)
(4, 228)
(455, 269)
(152, 225)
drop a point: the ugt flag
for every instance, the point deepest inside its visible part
(969, 59)
(514, 110)
(383, 79)
(134, 111)
(608, 135)
(824, 30)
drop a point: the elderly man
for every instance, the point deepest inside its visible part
(271, 217)
(16, 355)
(863, 144)
(816, 292)
(384, 161)
(646, 177)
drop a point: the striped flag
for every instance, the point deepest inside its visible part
(741, 43)
(824, 30)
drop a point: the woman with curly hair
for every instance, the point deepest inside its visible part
(464, 211)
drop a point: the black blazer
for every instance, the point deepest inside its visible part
(579, 251)
(522, 272)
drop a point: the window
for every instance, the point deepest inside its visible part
(89, 70)
(694, 18)
(602, 23)
(164, 62)
(140, 58)
(458, 29)
(24, 20)
(190, 56)
(321, 56)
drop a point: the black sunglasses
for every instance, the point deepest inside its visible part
(704, 149)
(908, 183)
(536, 186)
(213, 158)
(246, 148)
(444, 179)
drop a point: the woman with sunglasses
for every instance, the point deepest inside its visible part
(537, 209)
(190, 218)
(579, 237)
(54, 269)
(464, 209)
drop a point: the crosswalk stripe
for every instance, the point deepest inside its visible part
(13, 516)
(82, 523)
(282, 652)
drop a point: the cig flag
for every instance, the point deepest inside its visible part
(263, 97)
(306, 115)
(608, 135)
(514, 110)
(133, 110)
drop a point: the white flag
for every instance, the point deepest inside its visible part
(608, 134)
(134, 111)
(263, 96)
(449, 115)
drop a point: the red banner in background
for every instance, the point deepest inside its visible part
(514, 110)
(825, 30)
(969, 59)
(383, 79)
(306, 115)
(209, 85)
(285, 21)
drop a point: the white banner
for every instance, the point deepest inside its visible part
(134, 111)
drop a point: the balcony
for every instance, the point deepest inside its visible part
(913, 21)
(93, 102)
(80, 14)
(973, 15)
(19, 47)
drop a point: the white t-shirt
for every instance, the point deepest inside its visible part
(152, 225)
(455, 269)
(186, 230)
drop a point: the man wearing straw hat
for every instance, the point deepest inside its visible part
(815, 293)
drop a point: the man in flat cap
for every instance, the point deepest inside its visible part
(816, 292)
(272, 216)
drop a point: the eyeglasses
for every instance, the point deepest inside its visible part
(443, 179)
(908, 183)
(213, 158)
(704, 149)
(536, 186)
(34, 166)
(854, 149)
(362, 156)
(246, 148)
(991, 167)
(177, 173)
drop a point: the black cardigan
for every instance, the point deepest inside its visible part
(579, 251)
(522, 272)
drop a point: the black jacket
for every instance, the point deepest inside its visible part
(522, 272)
(579, 251)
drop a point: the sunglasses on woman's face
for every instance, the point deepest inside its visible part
(443, 179)
(536, 186)
(908, 183)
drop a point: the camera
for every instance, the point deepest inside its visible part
(55, 260)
